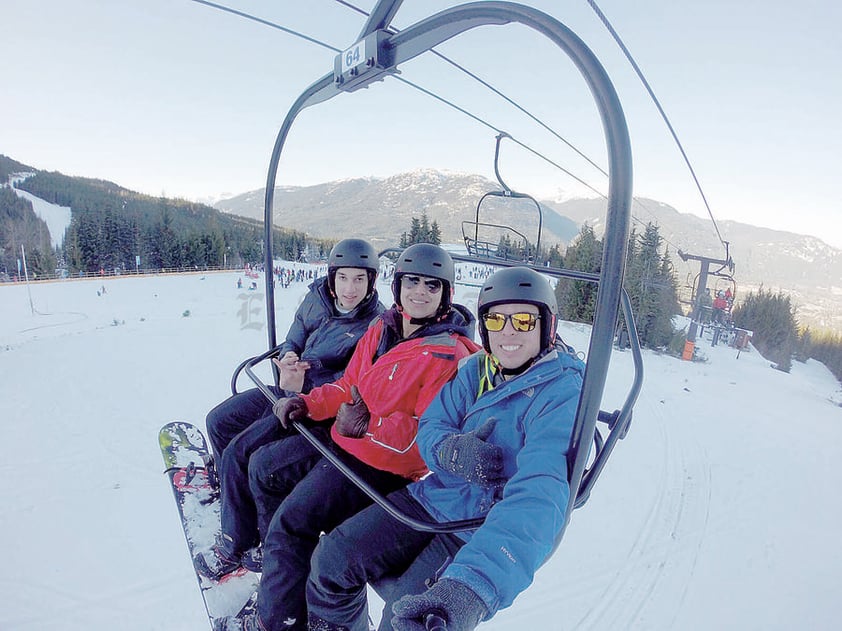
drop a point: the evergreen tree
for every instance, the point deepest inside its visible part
(577, 298)
(424, 232)
(771, 318)
(803, 345)
(421, 231)
(110, 226)
(505, 249)
(415, 235)
(650, 282)
(165, 247)
(554, 257)
(826, 347)
(19, 225)
(435, 233)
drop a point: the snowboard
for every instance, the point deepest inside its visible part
(189, 469)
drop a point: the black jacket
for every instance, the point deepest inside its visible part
(325, 338)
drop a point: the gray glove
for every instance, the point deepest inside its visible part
(469, 456)
(452, 601)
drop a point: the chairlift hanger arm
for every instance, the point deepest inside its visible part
(269, 200)
(381, 17)
(500, 137)
(507, 192)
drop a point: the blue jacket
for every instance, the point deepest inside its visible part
(324, 337)
(535, 413)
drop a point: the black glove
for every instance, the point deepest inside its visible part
(352, 418)
(452, 601)
(290, 409)
(469, 456)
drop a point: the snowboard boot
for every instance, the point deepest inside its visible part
(220, 560)
(252, 559)
(246, 622)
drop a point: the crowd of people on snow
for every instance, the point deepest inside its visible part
(446, 428)
(474, 272)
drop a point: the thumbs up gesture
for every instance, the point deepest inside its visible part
(472, 457)
(352, 418)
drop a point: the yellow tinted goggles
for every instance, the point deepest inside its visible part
(522, 322)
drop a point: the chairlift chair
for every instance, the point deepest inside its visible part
(484, 247)
(374, 57)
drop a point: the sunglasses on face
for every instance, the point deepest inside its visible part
(433, 285)
(522, 322)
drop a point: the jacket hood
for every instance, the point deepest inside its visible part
(463, 321)
(458, 320)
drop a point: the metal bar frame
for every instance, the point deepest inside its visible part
(421, 37)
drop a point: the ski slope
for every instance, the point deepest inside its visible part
(720, 510)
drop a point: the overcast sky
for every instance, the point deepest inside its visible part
(177, 98)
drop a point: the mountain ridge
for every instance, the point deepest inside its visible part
(381, 208)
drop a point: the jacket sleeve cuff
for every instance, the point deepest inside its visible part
(477, 583)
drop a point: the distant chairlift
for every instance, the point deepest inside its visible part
(510, 244)
(725, 282)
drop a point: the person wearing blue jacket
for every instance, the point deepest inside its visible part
(335, 313)
(495, 440)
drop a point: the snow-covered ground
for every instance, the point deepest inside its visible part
(720, 510)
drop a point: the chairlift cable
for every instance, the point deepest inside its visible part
(289, 31)
(643, 80)
(274, 25)
(500, 131)
(467, 113)
(499, 93)
(515, 104)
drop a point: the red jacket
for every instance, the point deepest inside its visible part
(397, 387)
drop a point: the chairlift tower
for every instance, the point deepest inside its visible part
(696, 315)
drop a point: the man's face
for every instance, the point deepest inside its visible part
(351, 285)
(420, 295)
(511, 347)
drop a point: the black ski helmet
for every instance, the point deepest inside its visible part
(519, 284)
(426, 259)
(357, 253)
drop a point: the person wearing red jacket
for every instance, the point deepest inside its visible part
(720, 305)
(397, 369)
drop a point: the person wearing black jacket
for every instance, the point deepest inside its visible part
(331, 319)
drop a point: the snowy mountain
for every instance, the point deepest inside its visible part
(716, 512)
(380, 209)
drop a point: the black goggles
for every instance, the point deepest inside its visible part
(522, 322)
(433, 285)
